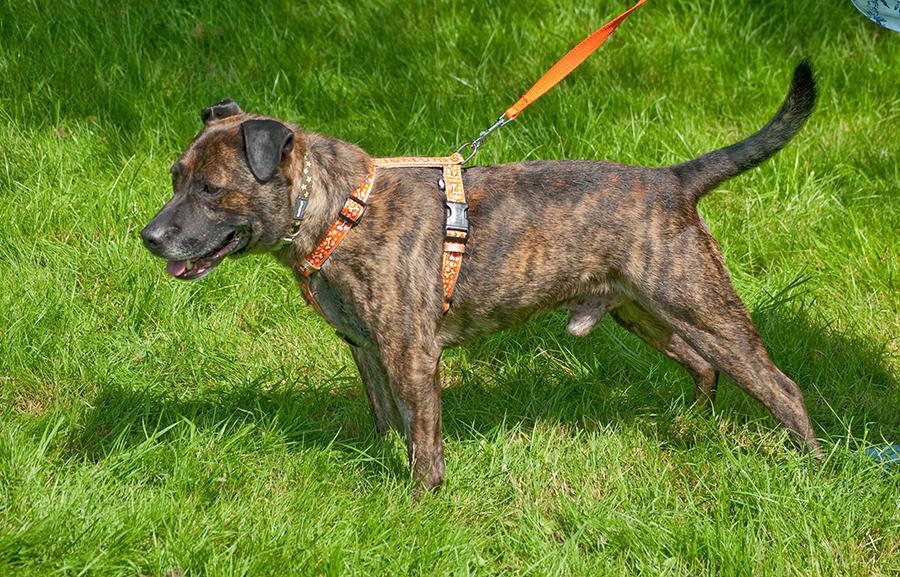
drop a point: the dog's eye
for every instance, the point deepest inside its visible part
(211, 190)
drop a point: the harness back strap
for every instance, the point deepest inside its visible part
(456, 229)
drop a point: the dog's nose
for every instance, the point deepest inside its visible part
(153, 237)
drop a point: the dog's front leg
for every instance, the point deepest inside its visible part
(414, 376)
(378, 390)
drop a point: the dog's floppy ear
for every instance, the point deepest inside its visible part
(224, 109)
(266, 142)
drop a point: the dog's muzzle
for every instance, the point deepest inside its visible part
(192, 254)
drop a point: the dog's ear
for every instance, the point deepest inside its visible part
(224, 109)
(266, 142)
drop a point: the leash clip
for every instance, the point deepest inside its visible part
(482, 136)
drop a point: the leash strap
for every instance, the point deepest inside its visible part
(456, 229)
(569, 62)
(552, 77)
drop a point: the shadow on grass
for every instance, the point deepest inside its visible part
(519, 378)
(611, 378)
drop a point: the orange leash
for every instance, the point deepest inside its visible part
(456, 229)
(569, 62)
(552, 77)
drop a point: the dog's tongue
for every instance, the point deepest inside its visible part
(195, 268)
(176, 267)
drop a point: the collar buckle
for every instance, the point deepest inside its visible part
(302, 201)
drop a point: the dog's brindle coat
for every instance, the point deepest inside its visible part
(592, 237)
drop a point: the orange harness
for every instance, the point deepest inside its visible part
(457, 225)
(456, 228)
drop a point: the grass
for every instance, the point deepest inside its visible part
(151, 427)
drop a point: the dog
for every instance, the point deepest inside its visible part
(592, 237)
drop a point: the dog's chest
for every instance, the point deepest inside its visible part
(336, 311)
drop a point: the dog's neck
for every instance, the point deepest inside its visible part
(336, 169)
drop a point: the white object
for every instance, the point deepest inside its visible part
(883, 12)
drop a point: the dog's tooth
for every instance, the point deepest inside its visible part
(188, 265)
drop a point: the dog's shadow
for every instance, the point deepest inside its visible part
(522, 377)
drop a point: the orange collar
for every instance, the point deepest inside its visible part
(456, 227)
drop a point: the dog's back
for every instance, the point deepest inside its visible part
(546, 233)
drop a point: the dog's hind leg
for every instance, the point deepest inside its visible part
(695, 297)
(737, 350)
(706, 377)
(659, 336)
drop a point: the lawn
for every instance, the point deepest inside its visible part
(158, 428)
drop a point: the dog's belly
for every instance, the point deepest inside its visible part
(586, 310)
(571, 234)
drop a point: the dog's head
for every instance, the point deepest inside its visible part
(231, 192)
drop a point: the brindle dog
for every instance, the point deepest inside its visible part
(592, 237)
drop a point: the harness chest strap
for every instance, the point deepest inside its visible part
(456, 227)
(350, 215)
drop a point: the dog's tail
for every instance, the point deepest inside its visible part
(704, 173)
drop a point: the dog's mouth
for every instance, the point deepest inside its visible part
(195, 268)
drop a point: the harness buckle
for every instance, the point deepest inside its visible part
(457, 220)
(347, 216)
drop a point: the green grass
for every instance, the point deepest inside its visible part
(152, 427)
